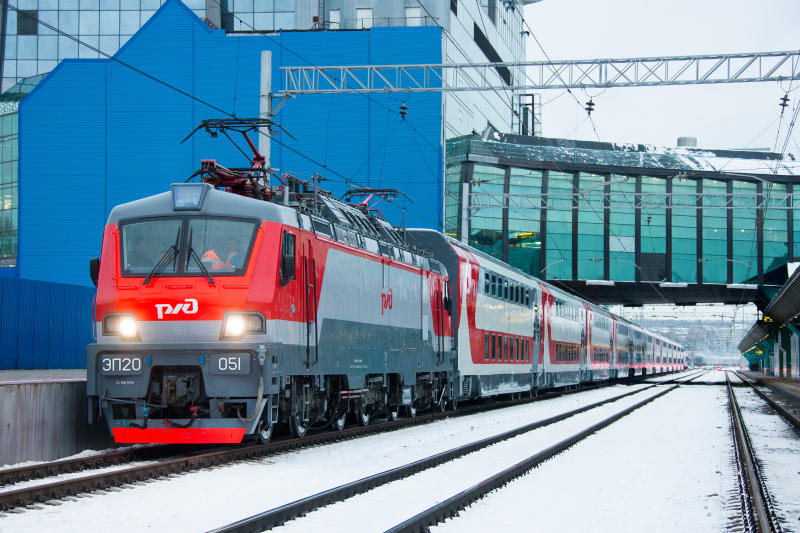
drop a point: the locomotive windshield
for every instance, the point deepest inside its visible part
(186, 246)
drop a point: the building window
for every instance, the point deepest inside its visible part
(335, 19)
(454, 6)
(364, 17)
(28, 22)
(413, 16)
(490, 6)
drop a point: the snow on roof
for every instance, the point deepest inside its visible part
(625, 155)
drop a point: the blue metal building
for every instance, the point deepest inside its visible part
(96, 133)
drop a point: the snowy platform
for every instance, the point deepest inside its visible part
(23, 377)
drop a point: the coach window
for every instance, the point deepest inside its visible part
(486, 283)
(516, 349)
(511, 349)
(499, 347)
(485, 346)
(494, 347)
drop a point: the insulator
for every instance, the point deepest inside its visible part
(785, 101)
(403, 111)
(589, 106)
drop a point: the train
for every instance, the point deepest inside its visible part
(228, 306)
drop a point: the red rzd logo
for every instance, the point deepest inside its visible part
(386, 301)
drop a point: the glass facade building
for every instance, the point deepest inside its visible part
(590, 214)
(9, 169)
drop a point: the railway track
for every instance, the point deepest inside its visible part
(280, 515)
(194, 460)
(758, 515)
(11, 476)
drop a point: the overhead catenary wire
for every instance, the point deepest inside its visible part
(558, 74)
(463, 53)
(265, 33)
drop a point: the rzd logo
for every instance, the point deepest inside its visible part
(386, 301)
(188, 306)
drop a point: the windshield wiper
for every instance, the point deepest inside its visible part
(168, 255)
(193, 255)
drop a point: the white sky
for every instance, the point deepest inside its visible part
(720, 116)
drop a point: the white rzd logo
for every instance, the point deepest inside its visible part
(188, 306)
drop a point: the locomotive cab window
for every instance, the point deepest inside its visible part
(186, 246)
(287, 258)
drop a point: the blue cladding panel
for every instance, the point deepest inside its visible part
(43, 325)
(118, 133)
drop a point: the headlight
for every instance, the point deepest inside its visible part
(236, 325)
(122, 325)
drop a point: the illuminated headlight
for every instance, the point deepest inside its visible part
(236, 325)
(121, 325)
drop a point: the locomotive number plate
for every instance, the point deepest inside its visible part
(236, 364)
(121, 365)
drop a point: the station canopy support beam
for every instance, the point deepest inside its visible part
(541, 75)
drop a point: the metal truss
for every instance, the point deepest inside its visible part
(619, 200)
(587, 73)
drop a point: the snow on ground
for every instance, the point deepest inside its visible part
(210, 498)
(669, 377)
(391, 504)
(778, 451)
(714, 376)
(665, 467)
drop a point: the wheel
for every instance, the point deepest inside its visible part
(454, 404)
(394, 414)
(411, 411)
(442, 405)
(298, 427)
(340, 422)
(264, 434)
(363, 416)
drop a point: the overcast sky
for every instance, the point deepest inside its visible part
(720, 116)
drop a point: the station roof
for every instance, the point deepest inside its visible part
(782, 309)
(595, 156)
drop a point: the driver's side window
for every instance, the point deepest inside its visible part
(287, 258)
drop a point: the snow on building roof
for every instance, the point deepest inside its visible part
(637, 157)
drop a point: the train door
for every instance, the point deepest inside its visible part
(309, 279)
(583, 360)
(438, 319)
(536, 308)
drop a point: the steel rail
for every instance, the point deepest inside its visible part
(280, 515)
(450, 507)
(755, 501)
(781, 410)
(67, 466)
